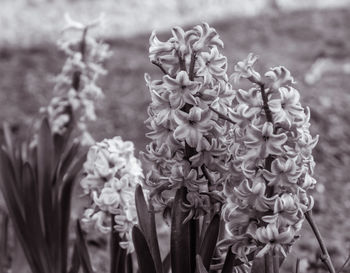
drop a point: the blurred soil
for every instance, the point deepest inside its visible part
(294, 40)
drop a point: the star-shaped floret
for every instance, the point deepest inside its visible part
(286, 211)
(211, 157)
(162, 134)
(183, 175)
(264, 142)
(284, 172)
(279, 76)
(274, 238)
(287, 107)
(193, 126)
(207, 37)
(158, 48)
(244, 69)
(254, 195)
(182, 88)
(163, 107)
(211, 65)
(182, 40)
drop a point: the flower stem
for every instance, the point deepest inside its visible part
(160, 67)
(192, 64)
(222, 116)
(297, 265)
(207, 176)
(77, 74)
(265, 103)
(269, 159)
(276, 263)
(269, 263)
(326, 259)
(344, 265)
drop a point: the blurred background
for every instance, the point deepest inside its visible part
(311, 38)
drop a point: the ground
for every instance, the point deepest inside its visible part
(294, 39)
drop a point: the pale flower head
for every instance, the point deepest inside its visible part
(111, 175)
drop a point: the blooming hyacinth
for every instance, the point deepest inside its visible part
(76, 87)
(272, 164)
(188, 145)
(111, 175)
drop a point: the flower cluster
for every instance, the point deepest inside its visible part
(272, 163)
(188, 145)
(111, 175)
(76, 87)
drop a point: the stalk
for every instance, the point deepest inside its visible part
(326, 259)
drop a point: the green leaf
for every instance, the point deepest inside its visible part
(82, 250)
(200, 266)
(207, 247)
(180, 236)
(116, 252)
(8, 139)
(16, 212)
(232, 261)
(258, 265)
(67, 159)
(8, 184)
(142, 211)
(63, 215)
(154, 245)
(229, 261)
(166, 263)
(75, 266)
(4, 224)
(45, 155)
(148, 225)
(35, 236)
(144, 257)
(129, 263)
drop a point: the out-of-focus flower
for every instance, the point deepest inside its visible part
(111, 175)
(76, 89)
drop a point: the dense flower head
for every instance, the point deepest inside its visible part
(111, 175)
(188, 143)
(272, 163)
(76, 88)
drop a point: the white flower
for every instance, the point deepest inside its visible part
(112, 173)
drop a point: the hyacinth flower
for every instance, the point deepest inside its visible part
(76, 89)
(111, 173)
(183, 115)
(271, 151)
(188, 119)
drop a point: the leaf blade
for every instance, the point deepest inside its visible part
(143, 253)
(208, 244)
(84, 257)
